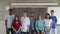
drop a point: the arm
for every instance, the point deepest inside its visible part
(13, 28)
(19, 29)
(56, 20)
(6, 21)
(28, 25)
(6, 24)
(36, 26)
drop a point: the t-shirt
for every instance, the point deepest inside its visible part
(9, 19)
(25, 23)
(48, 22)
(16, 25)
(54, 21)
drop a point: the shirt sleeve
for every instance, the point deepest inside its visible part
(5, 17)
(36, 27)
(50, 20)
(55, 19)
(28, 21)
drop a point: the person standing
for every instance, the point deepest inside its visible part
(8, 21)
(48, 22)
(16, 25)
(32, 23)
(54, 22)
(39, 25)
(25, 23)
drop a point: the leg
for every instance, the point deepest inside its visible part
(14, 32)
(40, 32)
(8, 31)
(11, 31)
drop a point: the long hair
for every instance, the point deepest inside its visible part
(46, 15)
(15, 18)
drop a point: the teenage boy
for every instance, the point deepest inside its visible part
(8, 21)
(54, 22)
(25, 23)
(32, 23)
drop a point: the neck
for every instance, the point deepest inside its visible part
(39, 19)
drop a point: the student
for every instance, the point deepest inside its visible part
(39, 24)
(8, 21)
(16, 25)
(48, 22)
(54, 22)
(25, 23)
(32, 23)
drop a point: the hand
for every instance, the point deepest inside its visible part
(17, 31)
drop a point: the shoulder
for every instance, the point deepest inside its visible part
(27, 18)
(13, 15)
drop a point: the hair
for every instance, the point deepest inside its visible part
(10, 9)
(15, 18)
(38, 16)
(46, 15)
(52, 10)
(25, 12)
(32, 12)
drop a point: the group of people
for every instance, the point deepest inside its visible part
(30, 25)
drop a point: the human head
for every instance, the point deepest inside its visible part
(47, 16)
(25, 14)
(52, 12)
(10, 11)
(39, 17)
(31, 14)
(16, 19)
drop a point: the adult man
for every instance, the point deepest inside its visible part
(54, 22)
(32, 23)
(8, 21)
(25, 23)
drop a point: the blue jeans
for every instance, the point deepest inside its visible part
(18, 32)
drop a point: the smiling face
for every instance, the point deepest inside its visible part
(24, 14)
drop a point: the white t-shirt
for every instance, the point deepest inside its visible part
(48, 22)
(25, 24)
(9, 19)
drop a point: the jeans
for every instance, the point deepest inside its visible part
(25, 33)
(32, 32)
(8, 31)
(53, 31)
(17, 30)
(17, 33)
(47, 30)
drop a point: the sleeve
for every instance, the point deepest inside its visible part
(5, 17)
(20, 23)
(55, 19)
(36, 27)
(50, 20)
(28, 21)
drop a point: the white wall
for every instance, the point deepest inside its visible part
(57, 12)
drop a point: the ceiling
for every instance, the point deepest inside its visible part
(21, 1)
(8, 2)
